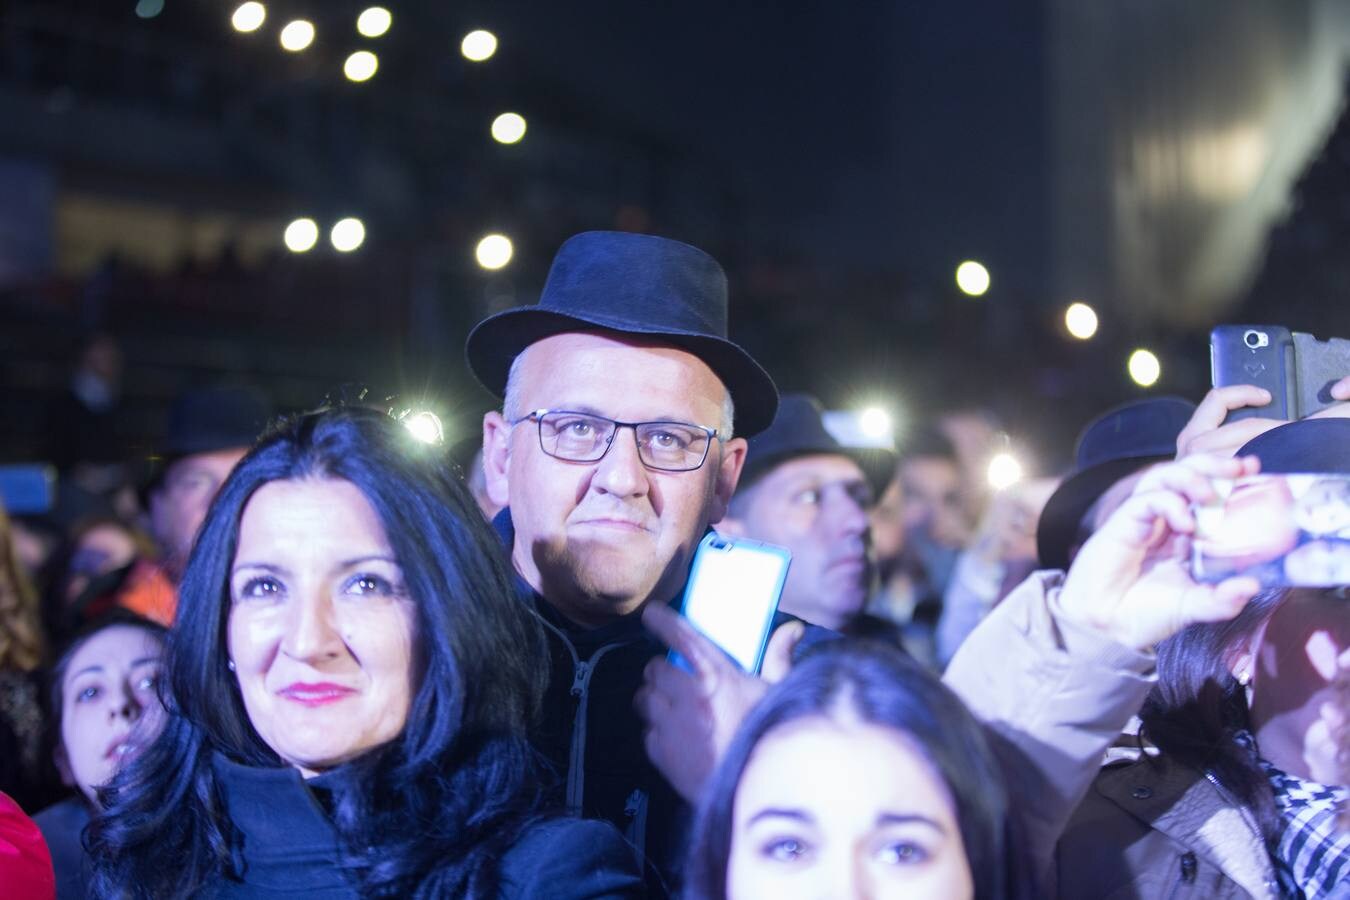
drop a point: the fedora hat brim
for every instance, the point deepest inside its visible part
(496, 341)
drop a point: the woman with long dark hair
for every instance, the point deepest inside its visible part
(859, 775)
(349, 683)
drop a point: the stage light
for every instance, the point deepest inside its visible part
(1081, 320)
(478, 46)
(361, 65)
(301, 235)
(424, 426)
(249, 16)
(297, 35)
(148, 9)
(508, 128)
(1144, 368)
(972, 278)
(1004, 471)
(347, 234)
(494, 251)
(875, 422)
(374, 22)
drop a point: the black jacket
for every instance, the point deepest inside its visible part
(290, 848)
(593, 736)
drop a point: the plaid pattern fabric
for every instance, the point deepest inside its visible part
(1312, 856)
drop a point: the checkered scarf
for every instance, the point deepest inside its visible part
(1312, 853)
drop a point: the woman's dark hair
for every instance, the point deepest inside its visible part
(881, 686)
(56, 678)
(427, 814)
(1197, 707)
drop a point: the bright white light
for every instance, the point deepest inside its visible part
(1081, 320)
(249, 16)
(301, 235)
(425, 427)
(374, 21)
(478, 46)
(361, 65)
(972, 278)
(1144, 368)
(493, 251)
(1004, 471)
(875, 422)
(508, 128)
(297, 35)
(347, 234)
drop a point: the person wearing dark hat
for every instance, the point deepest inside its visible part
(620, 441)
(1229, 786)
(1111, 455)
(210, 430)
(801, 489)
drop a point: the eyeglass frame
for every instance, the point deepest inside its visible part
(538, 416)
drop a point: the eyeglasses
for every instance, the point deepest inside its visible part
(582, 437)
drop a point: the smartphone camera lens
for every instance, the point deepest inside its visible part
(1255, 339)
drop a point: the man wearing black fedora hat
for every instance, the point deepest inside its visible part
(804, 490)
(613, 453)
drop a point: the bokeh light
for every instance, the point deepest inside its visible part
(1145, 368)
(1004, 471)
(875, 422)
(424, 426)
(1081, 320)
(361, 66)
(347, 234)
(249, 16)
(301, 235)
(297, 35)
(494, 251)
(478, 46)
(972, 278)
(374, 22)
(508, 128)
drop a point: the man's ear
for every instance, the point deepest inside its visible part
(496, 454)
(728, 476)
(731, 527)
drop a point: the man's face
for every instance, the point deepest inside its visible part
(816, 506)
(178, 506)
(931, 486)
(596, 539)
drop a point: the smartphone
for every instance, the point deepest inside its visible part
(1295, 367)
(1284, 530)
(732, 595)
(1260, 355)
(27, 489)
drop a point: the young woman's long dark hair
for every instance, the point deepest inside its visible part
(881, 686)
(1197, 707)
(428, 814)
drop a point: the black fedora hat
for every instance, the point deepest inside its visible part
(1308, 445)
(798, 430)
(1112, 446)
(633, 284)
(221, 417)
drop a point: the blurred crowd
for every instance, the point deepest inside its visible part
(309, 650)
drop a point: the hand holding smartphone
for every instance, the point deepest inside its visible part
(1296, 368)
(732, 595)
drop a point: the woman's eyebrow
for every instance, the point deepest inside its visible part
(266, 567)
(893, 818)
(373, 557)
(775, 813)
(86, 670)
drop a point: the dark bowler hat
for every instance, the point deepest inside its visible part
(1308, 445)
(634, 284)
(205, 420)
(1112, 446)
(799, 430)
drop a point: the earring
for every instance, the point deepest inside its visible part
(230, 665)
(1243, 679)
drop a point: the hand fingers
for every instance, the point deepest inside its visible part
(1212, 410)
(1228, 438)
(778, 655)
(1218, 602)
(1136, 521)
(1334, 411)
(1341, 389)
(678, 634)
(1193, 476)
